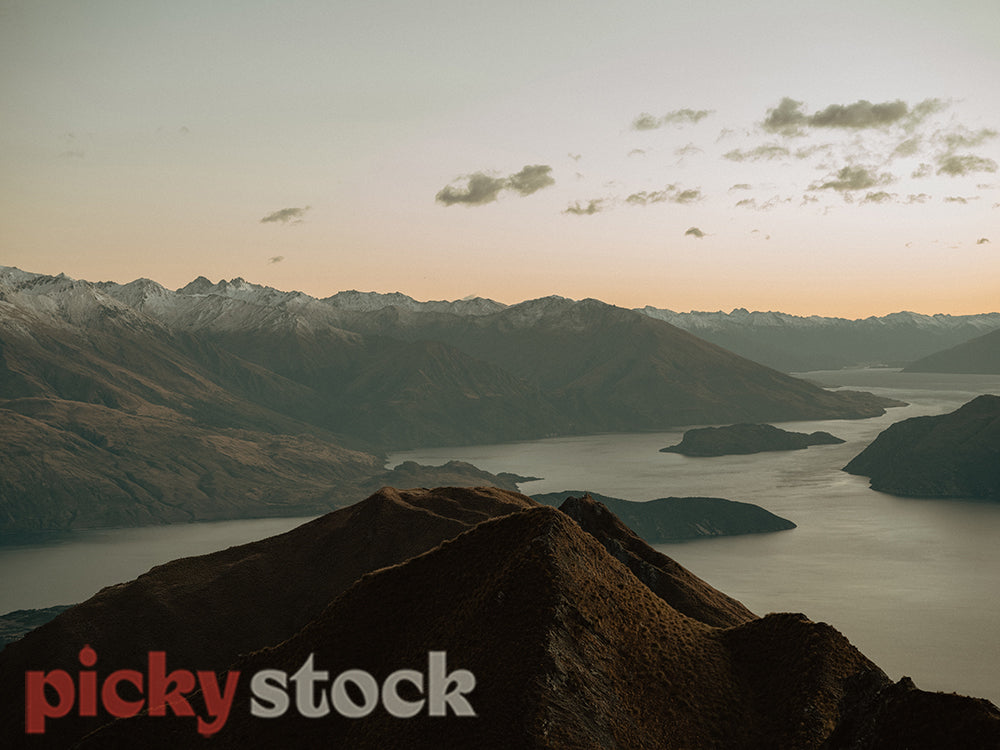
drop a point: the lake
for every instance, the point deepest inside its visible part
(912, 583)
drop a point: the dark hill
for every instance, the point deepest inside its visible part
(981, 355)
(568, 650)
(674, 584)
(204, 611)
(613, 369)
(951, 455)
(674, 519)
(739, 439)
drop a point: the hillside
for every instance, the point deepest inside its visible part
(568, 648)
(950, 455)
(611, 369)
(981, 355)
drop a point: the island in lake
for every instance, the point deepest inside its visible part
(739, 439)
(675, 519)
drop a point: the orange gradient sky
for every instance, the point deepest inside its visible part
(815, 158)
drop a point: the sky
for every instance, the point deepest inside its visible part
(827, 158)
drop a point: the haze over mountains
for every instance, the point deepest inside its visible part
(793, 343)
(131, 404)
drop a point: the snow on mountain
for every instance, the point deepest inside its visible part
(371, 301)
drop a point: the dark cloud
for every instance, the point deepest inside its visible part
(742, 186)
(788, 118)
(861, 114)
(921, 198)
(646, 121)
(276, 259)
(595, 205)
(957, 165)
(480, 188)
(688, 196)
(767, 151)
(855, 178)
(644, 198)
(924, 170)
(574, 157)
(982, 241)
(880, 197)
(964, 138)
(670, 194)
(957, 199)
(285, 215)
(909, 147)
(694, 232)
(747, 203)
(531, 179)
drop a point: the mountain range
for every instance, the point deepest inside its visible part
(793, 343)
(576, 633)
(129, 404)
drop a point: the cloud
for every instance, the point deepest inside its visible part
(531, 179)
(644, 198)
(688, 149)
(694, 232)
(982, 241)
(285, 215)
(958, 199)
(595, 205)
(688, 196)
(480, 188)
(964, 138)
(909, 147)
(924, 170)
(637, 152)
(921, 198)
(880, 197)
(574, 157)
(646, 121)
(861, 114)
(788, 118)
(855, 178)
(767, 151)
(742, 186)
(276, 259)
(670, 193)
(957, 165)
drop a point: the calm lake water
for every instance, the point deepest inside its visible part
(915, 584)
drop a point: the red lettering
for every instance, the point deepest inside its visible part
(217, 703)
(169, 689)
(36, 704)
(114, 703)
